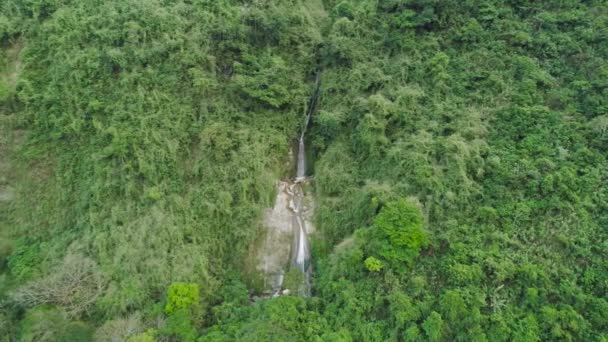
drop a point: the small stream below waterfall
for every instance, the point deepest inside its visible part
(290, 219)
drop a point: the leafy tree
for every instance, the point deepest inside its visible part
(179, 324)
(433, 326)
(412, 334)
(182, 296)
(184, 310)
(399, 228)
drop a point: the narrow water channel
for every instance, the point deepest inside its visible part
(286, 247)
(300, 250)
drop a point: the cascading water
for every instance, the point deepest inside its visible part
(300, 258)
(300, 249)
(301, 163)
(289, 219)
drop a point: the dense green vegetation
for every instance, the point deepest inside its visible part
(459, 154)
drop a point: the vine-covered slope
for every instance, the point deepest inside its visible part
(458, 155)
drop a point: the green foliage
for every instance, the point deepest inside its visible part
(24, 260)
(184, 309)
(49, 324)
(283, 318)
(459, 155)
(182, 296)
(475, 113)
(267, 78)
(401, 223)
(76, 331)
(293, 279)
(148, 145)
(373, 264)
(412, 334)
(432, 326)
(180, 324)
(5, 92)
(146, 336)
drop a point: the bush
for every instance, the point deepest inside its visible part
(50, 324)
(267, 79)
(398, 229)
(373, 264)
(182, 296)
(180, 324)
(184, 310)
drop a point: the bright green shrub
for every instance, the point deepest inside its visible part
(373, 264)
(182, 296)
(184, 310)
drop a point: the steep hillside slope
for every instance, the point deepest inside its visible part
(459, 163)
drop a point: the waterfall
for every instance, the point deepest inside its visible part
(301, 162)
(290, 220)
(300, 248)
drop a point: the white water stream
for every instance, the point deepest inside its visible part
(291, 216)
